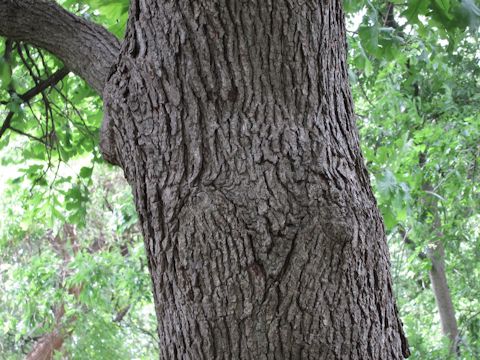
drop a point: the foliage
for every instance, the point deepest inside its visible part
(417, 100)
(415, 78)
(41, 267)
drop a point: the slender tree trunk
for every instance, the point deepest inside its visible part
(443, 298)
(438, 276)
(233, 122)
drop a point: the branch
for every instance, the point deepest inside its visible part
(6, 124)
(30, 94)
(28, 135)
(121, 314)
(45, 84)
(88, 49)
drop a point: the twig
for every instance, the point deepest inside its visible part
(30, 94)
(6, 123)
(29, 136)
(43, 85)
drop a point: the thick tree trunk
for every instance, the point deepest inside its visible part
(233, 122)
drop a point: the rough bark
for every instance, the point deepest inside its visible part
(85, 48)
(233, 122)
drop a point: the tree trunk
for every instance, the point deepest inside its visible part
(438, 276)
(233, 122)
(443, 298)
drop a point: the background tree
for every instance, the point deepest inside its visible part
(422, 147)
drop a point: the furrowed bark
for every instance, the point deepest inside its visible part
(233, 122)
(87, 49)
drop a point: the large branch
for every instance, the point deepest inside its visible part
(88, 49)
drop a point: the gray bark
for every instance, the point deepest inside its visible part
(233, 122)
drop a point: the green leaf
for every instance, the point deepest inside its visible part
(86, 172)
(389, 218)
(369, 38)
(415, 8)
